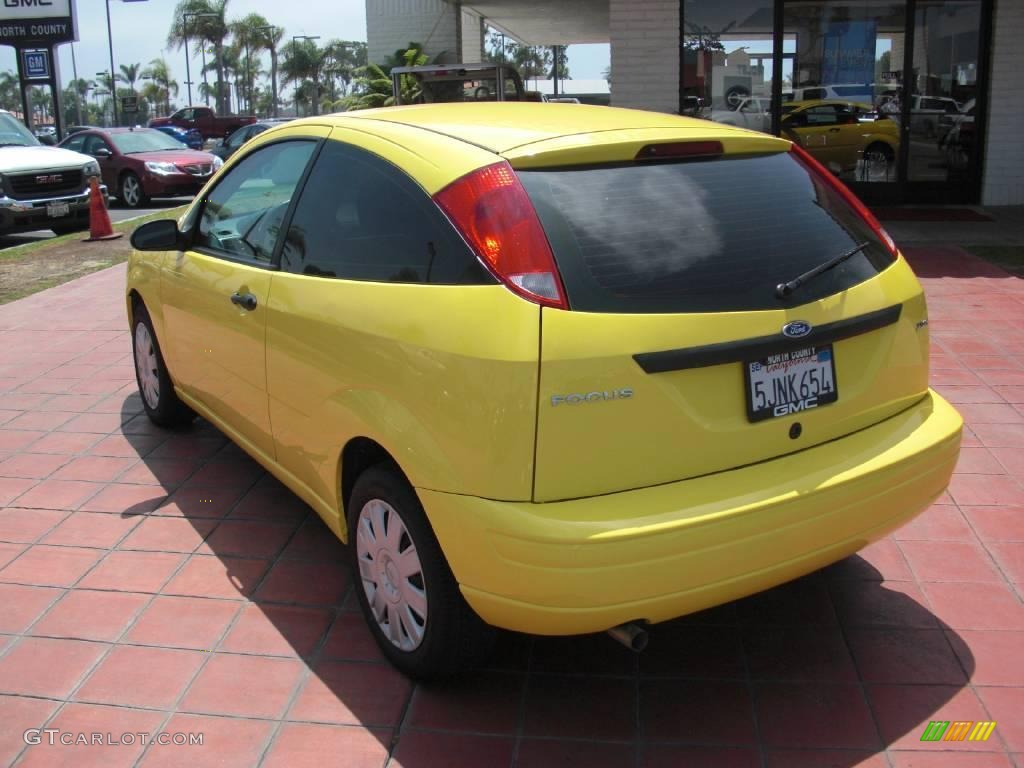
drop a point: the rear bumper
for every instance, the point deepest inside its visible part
(657, 553)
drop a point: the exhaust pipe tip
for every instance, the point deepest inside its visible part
(631, 635)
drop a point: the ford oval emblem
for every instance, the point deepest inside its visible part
(796, 329)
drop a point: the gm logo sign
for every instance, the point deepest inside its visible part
(37, 63)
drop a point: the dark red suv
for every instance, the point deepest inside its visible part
(140, 163)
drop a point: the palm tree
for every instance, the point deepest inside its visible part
(303, 63)
(164, 86)
(372, 88)
(76, 97)
(206, 22)
(103, 79)
(271, 39)
(347, 56)
(372, 85)
(10, 99)
(129, 74)
(251, 35)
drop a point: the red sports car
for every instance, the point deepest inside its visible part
(140, 163)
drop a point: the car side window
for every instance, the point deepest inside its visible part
(242, 215)
(821, 116)
(361, 218)
(75, 143)
(236, 138)
(92, 143)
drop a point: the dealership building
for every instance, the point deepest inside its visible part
(946, 73)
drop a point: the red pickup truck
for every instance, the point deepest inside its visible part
(203, 119)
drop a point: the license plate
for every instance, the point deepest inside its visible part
(791, 382)
(54, 210)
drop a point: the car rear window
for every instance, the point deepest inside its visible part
(698, 236)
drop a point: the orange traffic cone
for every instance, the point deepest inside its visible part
(99, 219)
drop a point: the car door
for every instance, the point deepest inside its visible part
(365, 333)
(108, 161)
(214, 294)
(816, 129)
(233, 142)
(75, 143)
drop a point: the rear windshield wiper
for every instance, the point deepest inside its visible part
(785, 290)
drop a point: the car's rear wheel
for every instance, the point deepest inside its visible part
(132, 194)
(735, 95)
(159, 399)
(407, 592)
(879, 152)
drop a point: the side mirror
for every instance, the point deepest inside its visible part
(47, 139)
(160, 235)
(101, 152)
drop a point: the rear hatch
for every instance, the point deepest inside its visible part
(671, 361)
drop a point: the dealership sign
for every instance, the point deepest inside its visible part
(37, 22)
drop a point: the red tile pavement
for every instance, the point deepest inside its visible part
(160, 581)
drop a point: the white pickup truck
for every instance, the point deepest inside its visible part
(754, 112)
(41, 187)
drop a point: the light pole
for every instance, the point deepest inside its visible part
(316, 74)
(184, 33)
(110, 48)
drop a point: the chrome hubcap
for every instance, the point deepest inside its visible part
(391, 574)
(131, 190)
(146, 365)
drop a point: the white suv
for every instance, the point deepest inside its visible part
(41, 187)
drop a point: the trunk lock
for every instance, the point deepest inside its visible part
(795, 430)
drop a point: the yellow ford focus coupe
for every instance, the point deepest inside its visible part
(558, 369)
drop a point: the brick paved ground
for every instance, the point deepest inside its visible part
(152, 581)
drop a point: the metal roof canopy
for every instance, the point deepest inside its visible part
(541, 22)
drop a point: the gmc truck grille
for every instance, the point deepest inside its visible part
(43, 184)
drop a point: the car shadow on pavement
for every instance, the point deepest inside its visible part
(830, 669)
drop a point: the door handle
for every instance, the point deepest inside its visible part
(245, 300)
(833, 130)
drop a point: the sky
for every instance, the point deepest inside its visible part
(140, 34)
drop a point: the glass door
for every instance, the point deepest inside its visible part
(842, 102)
(943, 163)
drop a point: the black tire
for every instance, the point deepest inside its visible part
(165, 410)
(454, 638)
(879, 148)
(125, 193)
(735, 95)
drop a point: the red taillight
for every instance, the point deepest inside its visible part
(816, 168)
(493, 212)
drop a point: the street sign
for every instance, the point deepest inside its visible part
(129, 104)
(37, 64)
(37, 22)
